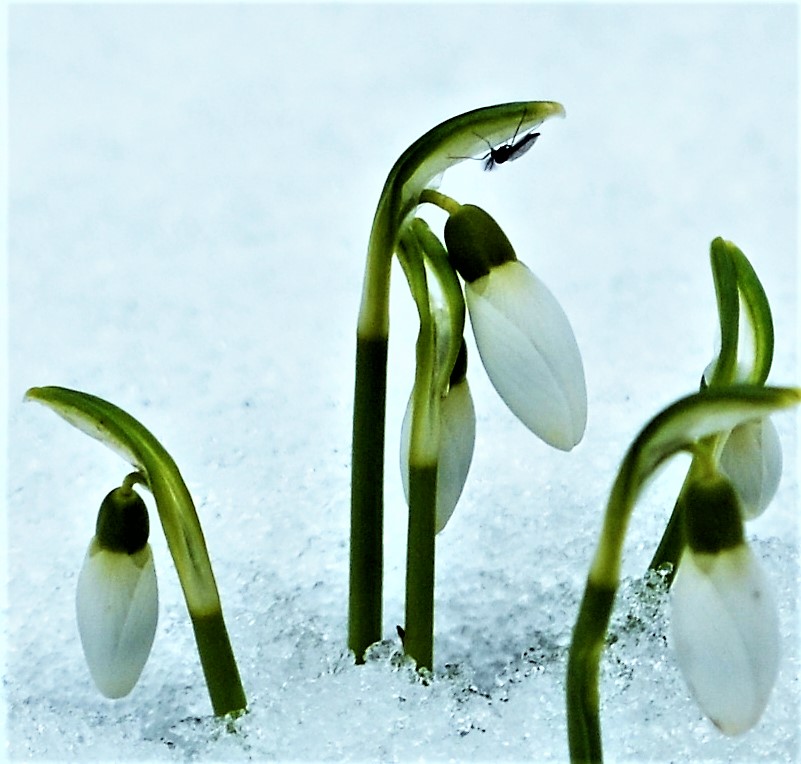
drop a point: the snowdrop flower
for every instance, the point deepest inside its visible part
(752, 459)
(724, 620)
(117, 597)
(457, 429)
(523, 336)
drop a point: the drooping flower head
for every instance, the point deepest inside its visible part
(751, 457)
(523, 336)
(117, 594)
(457, 435)
(724, 620)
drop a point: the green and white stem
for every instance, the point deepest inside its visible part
(158, 472)
(440, 308)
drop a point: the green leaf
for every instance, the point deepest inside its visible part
(446, 302)
(451, 141)
(724, 276)
(758, 314)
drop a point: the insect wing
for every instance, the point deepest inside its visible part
(522, 146)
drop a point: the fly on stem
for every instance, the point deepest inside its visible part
(506, 152)
(424, 160)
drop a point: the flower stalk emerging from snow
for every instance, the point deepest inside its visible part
(443, 146)
(438, 434)
(750, 453)
(717, 560)
(135, 580)
(724, 622)
(530, 354)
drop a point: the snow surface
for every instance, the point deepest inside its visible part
(191, 191)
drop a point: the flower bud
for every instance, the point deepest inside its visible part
(457, 419)
(523, 336)
(752, 459)
(117, 595)
(725, 633)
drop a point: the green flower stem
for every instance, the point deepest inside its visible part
(367, 496)
(589, 633)
(443, 146)
(668, 552)
(678, 428)
(430, 196)
(445, 300)
(423, 456)
(124, 434)
(420, 557)
(219, 665)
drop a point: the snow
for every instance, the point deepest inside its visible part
(191, 191)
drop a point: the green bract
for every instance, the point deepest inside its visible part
(122, 522)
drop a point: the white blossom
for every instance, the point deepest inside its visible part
(529, 351)
(457, 430)
(117, 611)
(725, 633)
(752, 459)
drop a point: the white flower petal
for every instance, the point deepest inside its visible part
(530, 353)
(725, 633)
(117, 611)
(457, 439)
(752, 460)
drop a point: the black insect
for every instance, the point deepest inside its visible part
(506, 152)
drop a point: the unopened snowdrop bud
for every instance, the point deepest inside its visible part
(117, 597)
(457, 429)
(724, 620)
(523, 336)
(752, 459)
